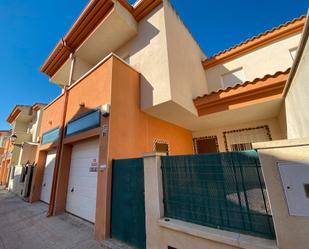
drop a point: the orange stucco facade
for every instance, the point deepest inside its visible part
(5, 163)
(130, 132)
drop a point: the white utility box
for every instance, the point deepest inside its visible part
(295, 182)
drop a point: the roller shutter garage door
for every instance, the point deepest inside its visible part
(82, 187)
(48, 176)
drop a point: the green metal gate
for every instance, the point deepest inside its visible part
(128, 202)
(220, 190)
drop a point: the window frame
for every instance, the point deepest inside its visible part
(266, 127)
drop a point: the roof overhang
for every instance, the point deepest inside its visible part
(270, 87)
(284, 30)
(93, 16)
(19, 113)
(38, 106)
(14, 114)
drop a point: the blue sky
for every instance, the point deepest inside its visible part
(30, 29)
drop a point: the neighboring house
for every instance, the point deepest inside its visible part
(3, 136)
(131, 79)
(25, 121)
(4, 154)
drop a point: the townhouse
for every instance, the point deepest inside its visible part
(21, 149)
(134, 80)
(4, 155)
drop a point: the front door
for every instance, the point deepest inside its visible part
(205, 145)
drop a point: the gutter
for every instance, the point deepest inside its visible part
(301, 48)
(58, 156)
(51, 208)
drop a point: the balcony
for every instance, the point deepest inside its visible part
(117, 26)
(85, 98)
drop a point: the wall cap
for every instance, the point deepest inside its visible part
(281, 144)
(221, 236)
(153, 154)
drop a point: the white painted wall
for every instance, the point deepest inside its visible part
(297, 100)
(266, 60)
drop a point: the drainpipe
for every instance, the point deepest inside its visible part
(60, 142)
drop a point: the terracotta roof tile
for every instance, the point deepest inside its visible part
(286, 29)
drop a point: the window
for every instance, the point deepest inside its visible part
(293, 52)
(239, 140)
(204, 145)
(50, 136)
(234, 77)
(86, 122)
(161, 146)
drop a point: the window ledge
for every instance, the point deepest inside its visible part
(224, 237)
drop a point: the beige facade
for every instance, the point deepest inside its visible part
(154, 66)
(291, 231)
(295, 110)
(172, 74)
(270, 59)
(25, 122)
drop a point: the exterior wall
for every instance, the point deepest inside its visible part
(170, 70)
(91, 92)
(187, 76)
(282, 122)
(148, 51)
(35, 125)
(138, 134)
(273, 124)
(183, 235)
(297, 100)
(5, 161)
(51, 117)
(270, 59)
(5, 171)
(27, 154)
(131, 132)
(80, 68)
(291, 231)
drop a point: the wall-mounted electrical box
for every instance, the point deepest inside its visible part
(295, 182)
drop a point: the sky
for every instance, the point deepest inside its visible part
(30, 29)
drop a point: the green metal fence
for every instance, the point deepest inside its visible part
(128, 202)
(220, 190)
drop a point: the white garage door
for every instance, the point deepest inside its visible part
(82, 187)
(48, 176)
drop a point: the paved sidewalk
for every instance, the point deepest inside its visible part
(25, 226)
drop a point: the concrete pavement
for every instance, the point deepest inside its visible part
(25, 226)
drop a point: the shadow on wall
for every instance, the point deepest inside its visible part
(146, 93)
(138, 45)
(220, 77)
